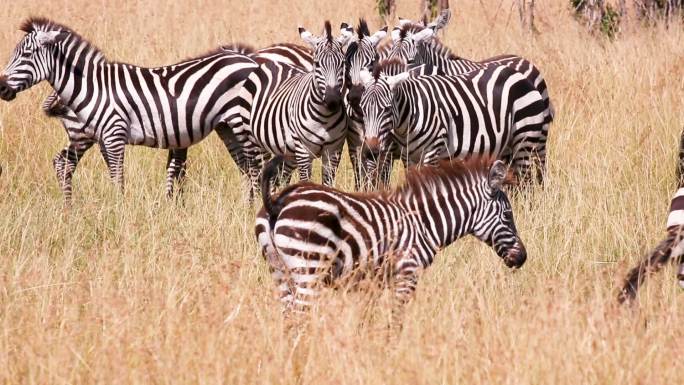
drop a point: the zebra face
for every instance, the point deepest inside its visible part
(408, 40)
(495, 225)
(377, 108)
(328, 64)
(30, 63)
(361, 53)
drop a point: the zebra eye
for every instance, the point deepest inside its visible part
(25, 55)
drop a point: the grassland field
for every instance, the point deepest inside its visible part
(137, 289)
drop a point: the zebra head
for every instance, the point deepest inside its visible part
(328, 63)
(377, 106)
(361, 54)
(410, 38)
(33, 58)
(494, 222)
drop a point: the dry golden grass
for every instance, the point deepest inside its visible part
(135, 289)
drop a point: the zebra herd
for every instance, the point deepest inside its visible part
(405, 98)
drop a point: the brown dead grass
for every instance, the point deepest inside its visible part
(134, 289)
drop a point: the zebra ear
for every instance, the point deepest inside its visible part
(376, 37)
(441, 21)
(396, 80)
(366, 76)
(308, 37)
(403, 22)
(396, 34)
(346, 34)
(497, 175)
(423, 35)
(50, 37)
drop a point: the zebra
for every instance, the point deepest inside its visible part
(297, 113)
(361, 53)
(80, 141)
(311, 235)
(491, 111)
(670, 248)
(169, 107)
(416, 44)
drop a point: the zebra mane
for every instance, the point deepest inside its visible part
(390, 67)
(33, 24)
(328, 31)
(410, 28)
(445, 171)
(244, 49)
(362, 30)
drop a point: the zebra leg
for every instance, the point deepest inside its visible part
(175, 170)
(65, 163)
(651, 264)
(405, 281)
(304, 161)
(359, 171)
(113, 154)
(235, 145)
(331, 161)
(254, 160)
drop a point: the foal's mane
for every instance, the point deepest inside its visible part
(446, 170)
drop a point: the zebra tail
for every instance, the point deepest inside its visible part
(272, 169)
(651, 264)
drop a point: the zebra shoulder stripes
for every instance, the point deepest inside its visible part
(670, 248)
(168, 107)
(297, 113)
(311, 235)
(493, 111)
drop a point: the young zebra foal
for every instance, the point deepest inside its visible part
(312, 235)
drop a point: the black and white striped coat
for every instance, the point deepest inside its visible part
(80, 138)
(313, 235)
(493, 111)
(296, 113)
(417, 44)
(171, 107)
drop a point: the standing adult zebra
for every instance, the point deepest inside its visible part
(169, 107)
(81, 139)
(416, 43)
(361, 53)
(296, 113)
(491, 111)
(670, 248)
(311, 234)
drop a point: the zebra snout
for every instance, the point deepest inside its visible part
(371, 147)
(680, 275)
(333, 98)
(7, 93)
(355, 93)
(516, 256)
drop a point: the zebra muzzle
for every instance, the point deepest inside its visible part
(333, 98)
(516, 256)
(680, 275)
(7, 93)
